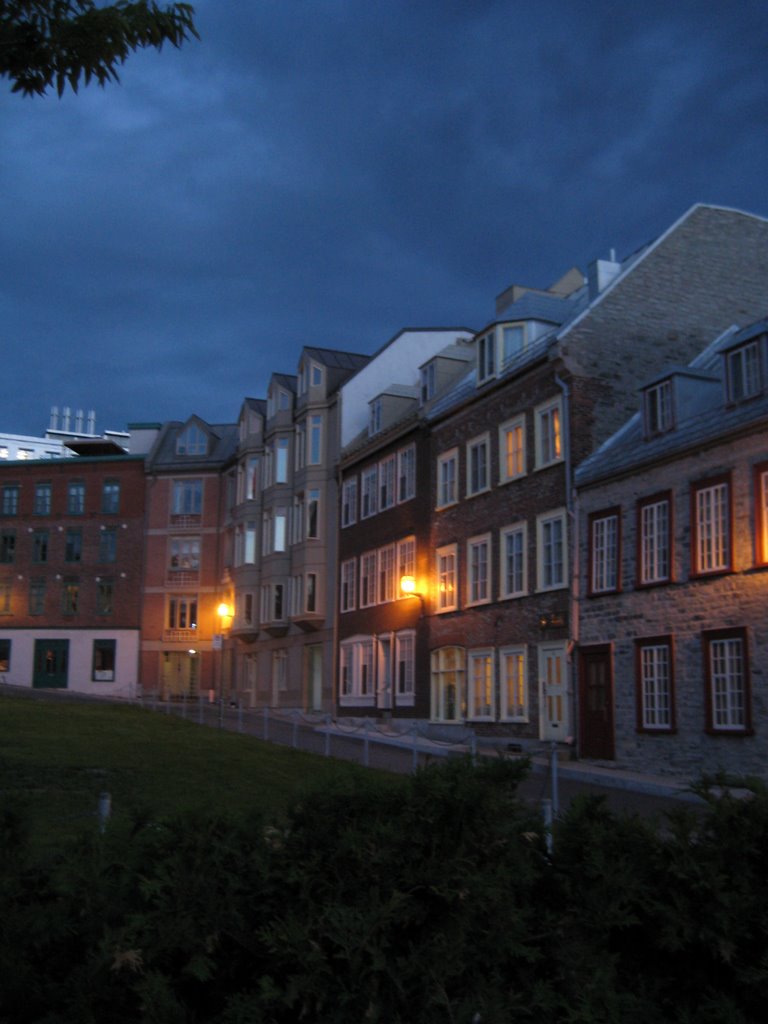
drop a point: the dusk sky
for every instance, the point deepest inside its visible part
(326, 172)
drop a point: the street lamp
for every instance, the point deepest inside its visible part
(408, 589)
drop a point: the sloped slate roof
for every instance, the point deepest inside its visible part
(223, 439)
(708, 418)
(337, 359)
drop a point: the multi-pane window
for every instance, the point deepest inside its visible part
(549, 438)
(478, 462)
(512, 342)
(42, 502)
(387, 573)
(110, 496)
(349, 501)
(513, 684)
(761, 513)
(7, 546)
(73, 546)
(184, 553)
(726, 670)
(604, 552)
(70, 596)
(75, 498)
(512, 449)
(368, 483)
(428, 381)
(356, 679)
(192, 441)
(108, 545)
(368, 579)
(104, 661)
(551, 552)
(187, 497)
(711, 531)
(105, 594)
(40, 546)
(348, 574)
(405, 649)
(486, 357)
(182, 611)
(10, 499)
(313, 514)
(657, 408)
(447, 478)
(655, 684)
(406, 473)
(448, 692)
(480, 698)
(315, 430)
(654, 530)
(37, 587)
(743, 372)
(446, 579)
(387, 483)
(513, 560)
(374, 416)
(406, 558)
(479, 569)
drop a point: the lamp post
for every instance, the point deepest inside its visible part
(225, 614)
(408, 589)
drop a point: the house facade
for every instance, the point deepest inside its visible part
(673, 526)
(71, 563)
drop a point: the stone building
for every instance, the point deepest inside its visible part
(673, 525)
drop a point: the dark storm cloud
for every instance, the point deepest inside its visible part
(327, 172)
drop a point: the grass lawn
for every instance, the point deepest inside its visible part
(57, 757)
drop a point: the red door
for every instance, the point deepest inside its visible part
(596, 703)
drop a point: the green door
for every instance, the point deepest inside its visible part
(51, 663)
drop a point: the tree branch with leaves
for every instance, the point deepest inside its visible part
(60, 43)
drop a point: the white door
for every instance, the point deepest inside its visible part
(553, 693)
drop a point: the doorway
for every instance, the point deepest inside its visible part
(596, 704)
(51, 665)
(180, 674)
(553, 692)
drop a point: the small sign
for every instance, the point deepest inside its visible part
(217, 641)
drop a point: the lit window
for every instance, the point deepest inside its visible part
(513, 668)
(512, 449)
(549, 439)
(655, 536)
(480, 699)
(447, 476)
(657, 407)
(761, 514)
(6, 593)
(655, 684)
(478, 462)
(551, 560)
(513, 570)
(182, 612)
(710, 528)
(446, 579)
(479, 570)
(70, 596)
(105, 593)
(727, 679)
(448, 692)
(604, 552)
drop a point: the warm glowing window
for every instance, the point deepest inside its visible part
(549, 439)
(446, 579)
(512, 449)
(480, 697)
(513, 672)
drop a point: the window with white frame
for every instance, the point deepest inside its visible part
(405, 656)
(513, 684)
(316, 376)
(447, 593)
(480, 697)
(486, 357)
(349, 501)
(479, 569)
(387, 573)
(368, 579)
(182, 611)
(315, 445)
(514, 569)
(192, 441)
(348, 576)
(368, 496)
(551, 555)
(406, 559)
(726, 665)
(187, 497)
(184, 554)
(604, 545)
(654, 527)
(512, 449)
(478, 465)
(374, 416)
(744, 372)
(711, 528)
(280, 523)
(406, 473)
(655, 684)
(548, 433)
(356, 678)
(448, 684)
(512, 342)
(447, 478)
(658, 410)
(387, 483)
(761, 513)
(282, 448)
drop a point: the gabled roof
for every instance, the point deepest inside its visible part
(336, 358)
(706, 417)
(164, 457)
(285, 380)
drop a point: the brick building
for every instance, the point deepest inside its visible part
(71, 562)
(673, 521)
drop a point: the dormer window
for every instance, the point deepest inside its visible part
(283, 401)
(192, 441)
(657, 408)
(316, 376)
(428, 378)
(374, 418)
(512, 342)
(498, 348)
(743, 371)
(486, 357)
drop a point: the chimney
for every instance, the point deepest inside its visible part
(91, 421)
(600, 273)
(54, 418)
(66, 418)
(79, 421)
